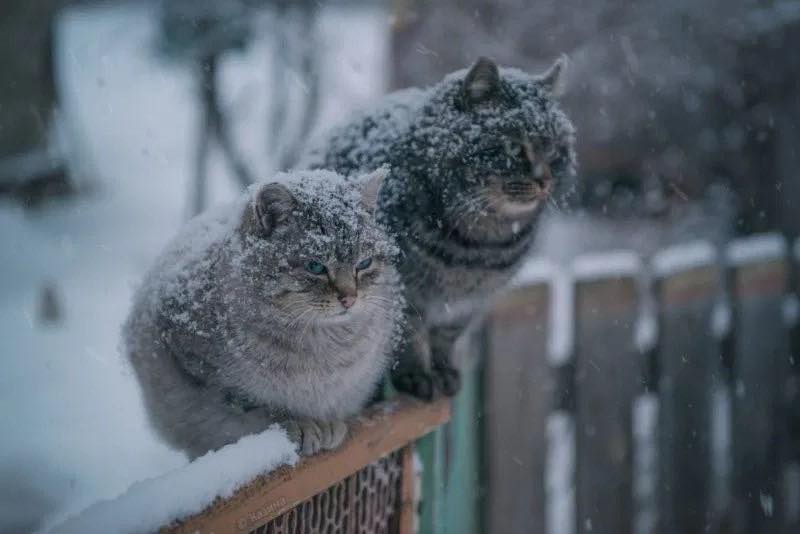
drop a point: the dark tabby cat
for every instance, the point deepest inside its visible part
(473, 161)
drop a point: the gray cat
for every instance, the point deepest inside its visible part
(473, 162)
(280, 308)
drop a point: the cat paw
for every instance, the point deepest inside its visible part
(416, 382)
(447, 379)
(313, 436)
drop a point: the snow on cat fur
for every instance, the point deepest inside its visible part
(474, 161)
(282, 307)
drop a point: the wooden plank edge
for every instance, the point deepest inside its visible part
(762, 279)
(381, 430)
(697, 284)
(408, 499)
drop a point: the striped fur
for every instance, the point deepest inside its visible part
(473, 161)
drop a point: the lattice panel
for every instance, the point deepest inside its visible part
(367, 502)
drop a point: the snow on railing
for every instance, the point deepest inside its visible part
(260, 481)
(683, 257)
(762, 247)
(150, 504)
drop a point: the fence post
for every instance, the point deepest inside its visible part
(689, 365)
(431, 453)
(792, 472)
(760, 369)
(607, 379)
(518, 397)
(463, 472)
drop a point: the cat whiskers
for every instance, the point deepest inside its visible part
(390, 303)
(299, 317)
(381, 304)
(551, 201)
(483, 202)
(471, 206)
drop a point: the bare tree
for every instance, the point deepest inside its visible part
(214, 127)
(30, 167)
(295, 50)
(202, 32)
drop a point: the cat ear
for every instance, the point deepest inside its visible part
(554, 79)
(481, 82)
(273, 205)
(371, 187)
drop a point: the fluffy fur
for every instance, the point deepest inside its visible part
(474, 160)
(268, 311)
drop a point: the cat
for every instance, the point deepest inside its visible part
(474, 160)
(282, 307)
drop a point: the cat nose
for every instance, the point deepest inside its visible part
(347, 300)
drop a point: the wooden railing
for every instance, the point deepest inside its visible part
(368, 485)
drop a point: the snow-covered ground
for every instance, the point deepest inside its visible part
(73, 429)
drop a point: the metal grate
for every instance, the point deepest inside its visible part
(367, 502)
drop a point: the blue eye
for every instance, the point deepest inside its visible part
(315, 267)
(364, 264)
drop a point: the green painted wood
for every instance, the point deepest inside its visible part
(431, 454)
(462, 500)
(451, 459)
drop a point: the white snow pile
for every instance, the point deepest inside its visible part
(646, 329)
(756, 248)
(645, 461)
(560, 474)
(151, 504)
(683, 257)
(561, 340)
(721, 318)
(791, 310)
(610, 264)
(533, 271)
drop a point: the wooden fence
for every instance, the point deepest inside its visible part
(668, 405)
(613, 395)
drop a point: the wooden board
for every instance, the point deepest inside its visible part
(689, 364)
(518, 396)
(607, 378)
(761, 368)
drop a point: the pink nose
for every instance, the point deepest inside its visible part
(347, 301)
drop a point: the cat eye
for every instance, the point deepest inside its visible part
(315, 267)
(364, 264)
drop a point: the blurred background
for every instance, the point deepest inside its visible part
(121, 119)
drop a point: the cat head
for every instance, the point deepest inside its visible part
(312, 243)
(496, 139)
